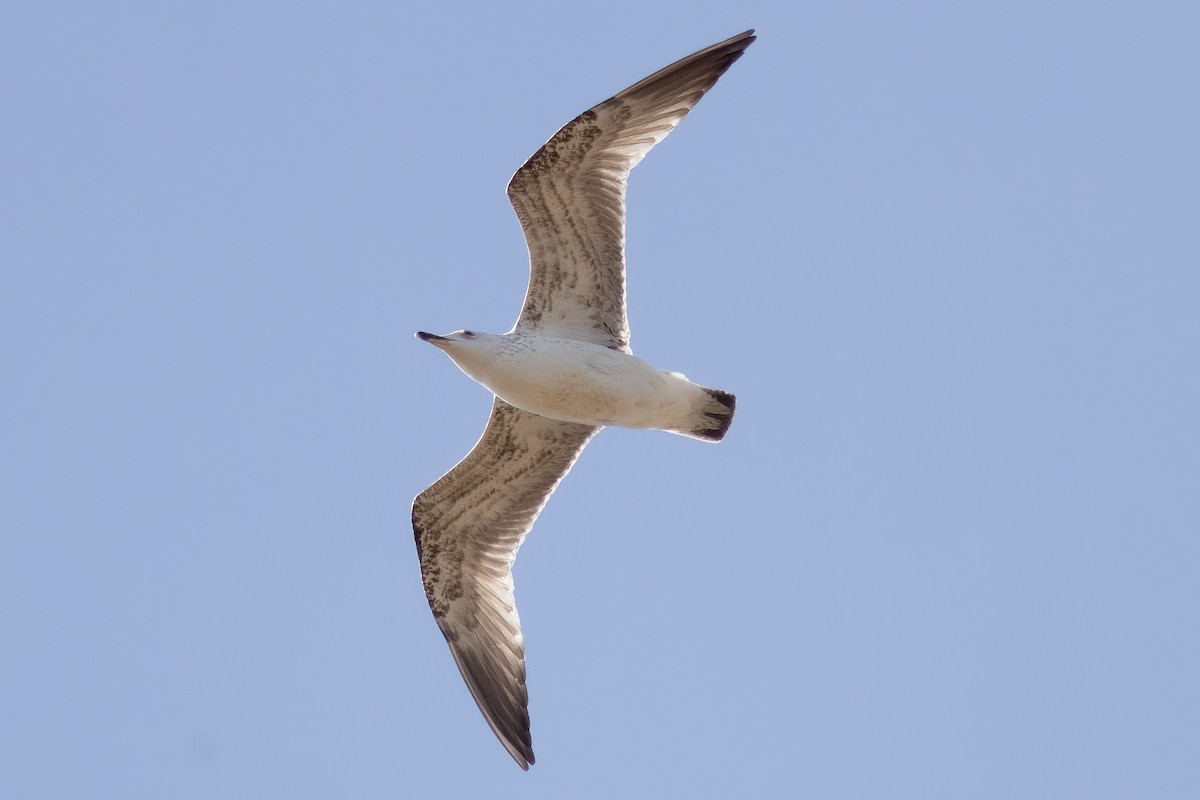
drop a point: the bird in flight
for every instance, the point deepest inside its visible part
(561, 374)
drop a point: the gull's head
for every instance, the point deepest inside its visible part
(465, 346)
(473, 351)
(457, 341)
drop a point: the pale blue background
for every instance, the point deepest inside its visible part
(946, 254)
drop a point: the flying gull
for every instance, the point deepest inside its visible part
(562, 373)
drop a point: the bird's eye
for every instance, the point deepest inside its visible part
(468, 334)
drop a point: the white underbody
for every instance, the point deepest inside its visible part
(577, 381)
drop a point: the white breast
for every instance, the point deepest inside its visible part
(577, 381)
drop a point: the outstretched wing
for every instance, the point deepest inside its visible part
(468, 527)
(570, 198)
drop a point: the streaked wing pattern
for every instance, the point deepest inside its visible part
(570, 197)
(468, 526)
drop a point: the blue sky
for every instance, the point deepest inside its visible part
(946, 255)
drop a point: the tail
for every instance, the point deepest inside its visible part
(714, 415)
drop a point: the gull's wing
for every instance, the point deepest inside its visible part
(468, 527)
(570, 198)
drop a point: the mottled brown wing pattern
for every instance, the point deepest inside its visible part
(570, 198)
(468, 527)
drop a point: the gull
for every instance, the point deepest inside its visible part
(561, 374)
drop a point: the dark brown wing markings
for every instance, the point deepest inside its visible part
(468, 527)
(570, 197)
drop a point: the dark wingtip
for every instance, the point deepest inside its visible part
(520, 749)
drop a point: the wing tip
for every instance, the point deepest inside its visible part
(712, 62)
(519, 744)
(523, 757)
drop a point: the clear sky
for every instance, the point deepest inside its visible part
(946, 255)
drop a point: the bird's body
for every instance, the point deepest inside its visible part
(561, 374)
(577, 381)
